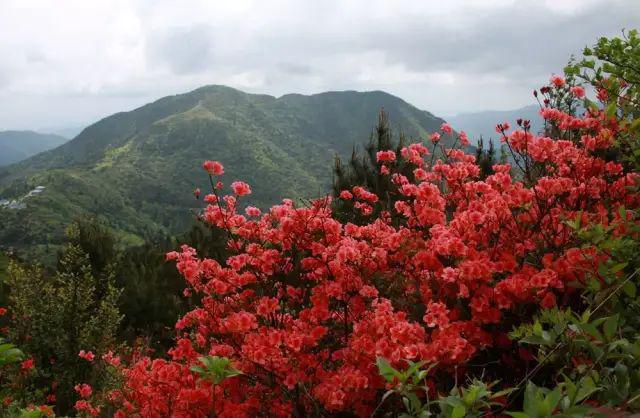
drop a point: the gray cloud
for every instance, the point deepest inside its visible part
(184, 50)
(294, 69)
(77, 63)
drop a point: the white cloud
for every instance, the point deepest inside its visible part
(69, 62)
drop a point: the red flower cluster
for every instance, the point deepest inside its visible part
(385, 156)
(86, 407)
(27, 365)
(83, 390)
(306, 304)
(87, 355)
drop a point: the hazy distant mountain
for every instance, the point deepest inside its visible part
(19, 145)
(484, 123)
(65, 131)
(137, 169)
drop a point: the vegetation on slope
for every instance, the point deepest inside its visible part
(135, 169)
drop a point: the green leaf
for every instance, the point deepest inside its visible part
(572, 389)
(586, 388)
(532, 398)
(519, 415)
(610, 326)
(591, 330)
(413, 367)
(610, 110)
(459, 411)
(386, 371)
(634, 126)
(552, 399)
(629, 289)
(534, 339)
(502, 393)
(416, 404)
(197, 369)
(215, 369)
(537, 328)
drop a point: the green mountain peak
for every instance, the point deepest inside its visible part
(137, 168)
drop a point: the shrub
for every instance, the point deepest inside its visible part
(306, 304)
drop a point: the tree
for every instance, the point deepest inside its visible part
(153, 291)
(56, 316)
(612, 68)
(364, 170)
(485, 158)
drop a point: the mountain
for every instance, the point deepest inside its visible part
(137, 169)
(65, 131)
(19, 145)
(484, 123)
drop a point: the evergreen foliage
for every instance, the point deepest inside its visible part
(56, 316)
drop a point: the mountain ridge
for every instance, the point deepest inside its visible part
(18, 145)
(482, 124)
(136, 169)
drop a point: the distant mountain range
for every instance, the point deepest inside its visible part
(483, 124)
(19, 145)
(137, 169)
(70, 131)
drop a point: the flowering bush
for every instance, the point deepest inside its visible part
(306, 304)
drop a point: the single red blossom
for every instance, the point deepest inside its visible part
(502, 127)
(577, 91)
(446, 128)
(558, 81)
(385, 156)
(603, 95)
(548, 301)
(214, 168)
(84, 390)
(27, 364)
(240, 188)
(252, 211)
(346, 194)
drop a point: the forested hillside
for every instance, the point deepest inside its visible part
(136, 169)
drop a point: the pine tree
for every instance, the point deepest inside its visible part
(153, 298)
(485, 158)
(364, 170)
(56, 316)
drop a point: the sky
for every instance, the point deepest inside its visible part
(68, 63)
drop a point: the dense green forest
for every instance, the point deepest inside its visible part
(135, 170)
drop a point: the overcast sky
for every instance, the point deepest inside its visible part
(65, 62)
